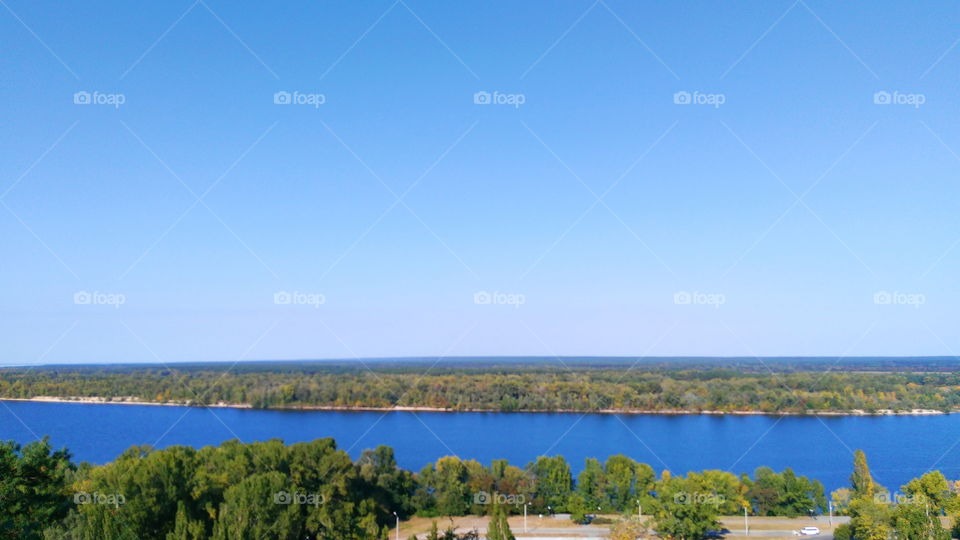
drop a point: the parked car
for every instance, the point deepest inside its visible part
(809, 531)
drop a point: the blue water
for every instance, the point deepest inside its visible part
(898, 448)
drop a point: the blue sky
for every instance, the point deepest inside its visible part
(782, 212)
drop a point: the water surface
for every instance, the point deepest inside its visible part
(898, 447)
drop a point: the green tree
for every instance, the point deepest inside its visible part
(861, 480)
(388, 484)
(554, 483)
(784, 494)
(33, 492)
(592, 484)
(684, 508)
(443, 487)
(870, 520)
(931, 489)
(185, 528)
(870, 514)
(840, 499)
(913, 521)
(260, 507)
(497, 527)
(578, 507)
(620, 472)
(726, 490)
(627, 481)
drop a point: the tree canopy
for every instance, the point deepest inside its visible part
(313, 491)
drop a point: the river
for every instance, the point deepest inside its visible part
(898, 447)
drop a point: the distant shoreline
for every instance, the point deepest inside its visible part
(661, 412)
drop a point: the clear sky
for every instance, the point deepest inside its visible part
(660, 178)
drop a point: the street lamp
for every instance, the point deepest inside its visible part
(639, 510)
(524, 516)
(398, 525)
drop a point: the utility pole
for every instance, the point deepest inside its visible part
(746, 525)
(398, 525)
(639, 511)
(524, 517)
(830, 505)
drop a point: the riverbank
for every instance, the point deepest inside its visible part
(125, 401)
(130, 400)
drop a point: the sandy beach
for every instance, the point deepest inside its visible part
(130, 400)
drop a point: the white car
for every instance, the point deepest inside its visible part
(809, 531)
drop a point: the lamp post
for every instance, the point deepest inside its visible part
(398, 525)
(746, 525)
(639, 510)
(525, 516)
(830, 505)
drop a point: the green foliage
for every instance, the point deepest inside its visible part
(592, 485)
(33, 493)
(627, 482)
(784, 494)
(314, 491)
(442, 489)
(247, 513)
(842, 532)
(554, 483)
(870, 520)
(592, 386)
(578, 508)
(686, 507)
(498, 528)
(933, 491)
(841, 501)
(871, 517)
(726, 490)
(913, 521)
(861, 479)
(258, 490)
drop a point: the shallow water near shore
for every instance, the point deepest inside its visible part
(898, 447)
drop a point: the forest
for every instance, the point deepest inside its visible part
(727, 386)
(314, 490)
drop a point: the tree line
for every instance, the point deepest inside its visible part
(314, 490)
(531, 387)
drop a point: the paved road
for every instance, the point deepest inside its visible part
(760, 527)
